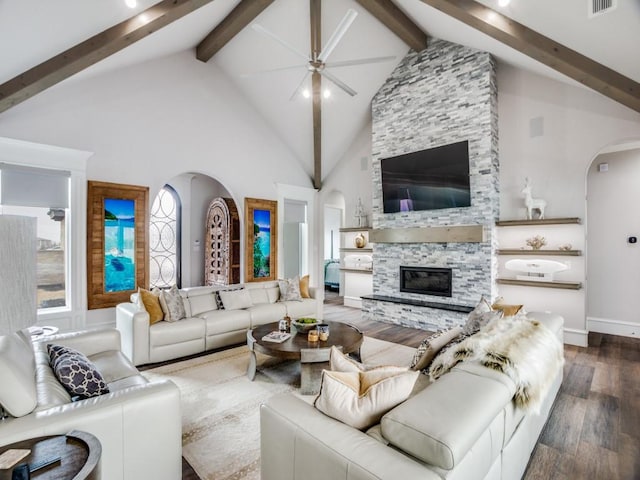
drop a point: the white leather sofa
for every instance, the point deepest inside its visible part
(463, 426)
(138, 423)
(206, 326)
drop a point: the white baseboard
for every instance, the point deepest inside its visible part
(613, 327)
(355, 302)
(579, 338)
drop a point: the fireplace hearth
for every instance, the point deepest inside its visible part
(426, 280)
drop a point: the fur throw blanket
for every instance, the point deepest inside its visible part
(522, 348)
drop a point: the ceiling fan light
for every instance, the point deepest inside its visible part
(131, 3)
(306, 93)
(504, 3)
(326, 93)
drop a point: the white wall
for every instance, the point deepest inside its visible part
(577, 123)
(151, 122)
(332, 224)
(613, 266)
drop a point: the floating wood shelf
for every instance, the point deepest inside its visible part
(544, 221)
(533, 283)
(357, 250)
(355, 229)
(540, 253)
(356, 270)
(436, 234)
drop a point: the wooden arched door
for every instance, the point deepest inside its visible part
(222, 249)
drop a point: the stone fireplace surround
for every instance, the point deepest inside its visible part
(444, 94)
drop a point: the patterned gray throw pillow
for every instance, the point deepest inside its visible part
(172, 305)
(290, 289)
(77, 374)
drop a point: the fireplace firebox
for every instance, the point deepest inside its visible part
(426, 280)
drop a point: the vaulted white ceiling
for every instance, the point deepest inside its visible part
(31, 31)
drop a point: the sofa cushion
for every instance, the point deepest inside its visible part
(202, 303)
(431, 346)
(169, 333)
(113, 365)
(441, 423)
(77, 374)
(360, 398)
(259, 295)
(172, 304)
(266, 313)
(235, 299)
(17, 376)
(290, 289)
(305, 307)
(150, 301)
(225, 321)
(273, 293)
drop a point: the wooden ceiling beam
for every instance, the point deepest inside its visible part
(594, 75)
(316, 91)
(93, 50)
(241, 16)
(396, 21)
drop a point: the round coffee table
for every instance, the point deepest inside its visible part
(342, 335)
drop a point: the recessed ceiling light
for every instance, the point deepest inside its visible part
(326, 93)
(504, 3)
(131, 3)
(306, 93)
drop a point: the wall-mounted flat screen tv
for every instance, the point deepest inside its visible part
(427, 180)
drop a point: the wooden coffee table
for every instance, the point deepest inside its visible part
(312, 355)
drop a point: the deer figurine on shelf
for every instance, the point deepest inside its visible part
(532, 203)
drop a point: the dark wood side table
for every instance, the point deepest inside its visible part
(79, 451)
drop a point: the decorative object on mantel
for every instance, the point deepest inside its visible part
(359, 215)
(536, 242)
(565, 247)
(359, 241)
(535, 269)
(532, 204)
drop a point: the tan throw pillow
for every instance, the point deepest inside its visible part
(172, 304)
(431, 346)
(235, 299)
(150, 301)
(360, 399)
(304, 287)
(507, 310)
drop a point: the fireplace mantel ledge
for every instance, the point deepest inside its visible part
(436, 234)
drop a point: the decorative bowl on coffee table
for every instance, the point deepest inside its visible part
(304, 324)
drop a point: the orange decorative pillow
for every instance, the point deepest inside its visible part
(507, 310)
(150, 300)
(304, 287)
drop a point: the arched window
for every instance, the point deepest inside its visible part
(164, 239)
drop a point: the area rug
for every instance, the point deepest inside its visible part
(221, 406)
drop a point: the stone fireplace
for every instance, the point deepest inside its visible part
(442, 95)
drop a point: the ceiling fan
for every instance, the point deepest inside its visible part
(316, 66)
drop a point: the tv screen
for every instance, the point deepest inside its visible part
(427, 180)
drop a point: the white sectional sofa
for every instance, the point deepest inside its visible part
(463, 426)
(138, 422)
(206, 326)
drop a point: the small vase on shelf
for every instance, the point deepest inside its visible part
(359, 241)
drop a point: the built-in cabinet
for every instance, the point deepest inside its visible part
(520, 230)
(356, 265)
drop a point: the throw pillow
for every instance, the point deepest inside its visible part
(290, 289)
(340, 362)
(58, 351)
(304, 287)
(478, 317)
(172, 304)
(150, 301)
(77, 374)
(235, 299)
(430, 347)
(507, 310)
(360, 399)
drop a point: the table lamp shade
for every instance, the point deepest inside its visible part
(18, 259)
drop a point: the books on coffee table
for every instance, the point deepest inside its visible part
(276, 337)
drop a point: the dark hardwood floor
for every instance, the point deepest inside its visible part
(594, 429)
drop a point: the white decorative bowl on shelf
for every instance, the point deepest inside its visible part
(535, 269)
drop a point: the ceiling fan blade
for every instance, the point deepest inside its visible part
(260, 29)
(296, 92)
(339, 83)
(361, 61)
(271, 70)
(337, 34)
